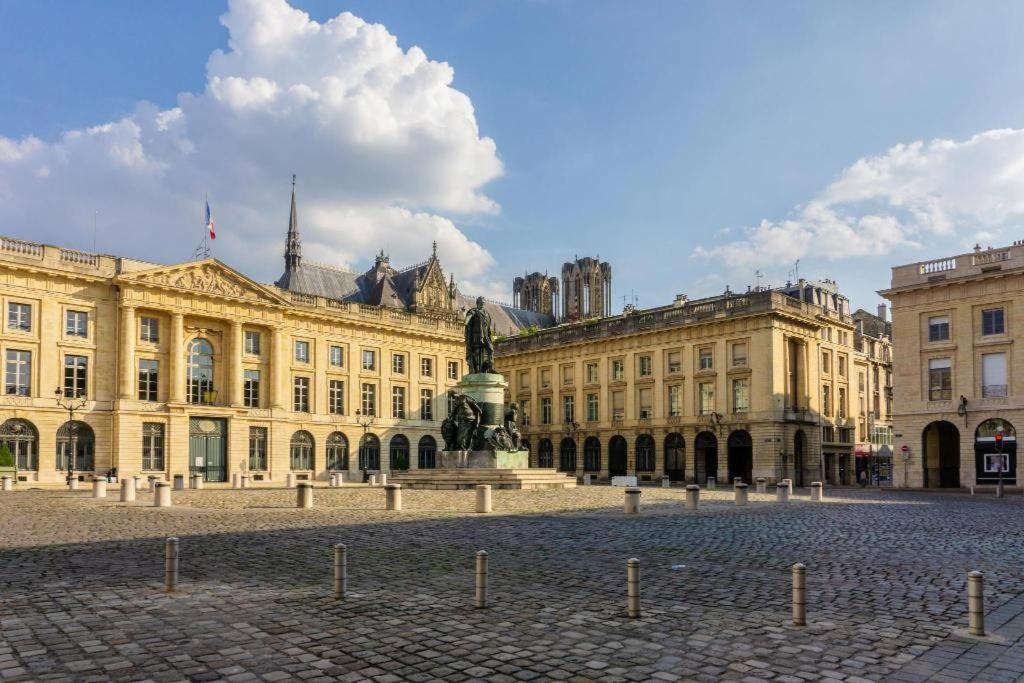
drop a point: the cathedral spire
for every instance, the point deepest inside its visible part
(292, 246)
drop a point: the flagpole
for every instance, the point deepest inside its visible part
(206, 227)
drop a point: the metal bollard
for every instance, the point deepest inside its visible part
(633, 588)
(162, 495)
(483, 498)
(304, 495)
(692, 497)
(8, 484)
(393, 497)
(179, 482)
(170, 564)
(976, 603)
(128, 490)
(741, 494)
(817, 492)
(762, 485)
(289, 480)
(73, 484)
(781, 492)
(340, 571)
(999, 489)
(99, 488)
(666, 483)
(244, 481)
(632, 501)
(481, 580)
(799, 595)
(711, 483)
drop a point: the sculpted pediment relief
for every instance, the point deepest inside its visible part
(205, 278)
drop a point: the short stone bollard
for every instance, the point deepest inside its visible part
(162, 494)
(393, 497)
(480, 600)
(586, 479)
(781, 492)
(666, 483)
(244, 481)
(128, 490)
(632, 500)
(817, 491)
(332, 480)
(372, 480)
(197, 481)
(8, 484)
(236, 480)
(170, 564)
(99, 488)
(138, 482)
(151, 482)
(741, 494)
(73, 484)
(383, 479)
(976, 603)
(762, 485)
(304, 495)
(799, 595)
(289, 480)
(633, 588)
(340, 571)
(711, 483)
(179, 482)
(736, 480)
(789, 485)
(692, 497)
(483, 498)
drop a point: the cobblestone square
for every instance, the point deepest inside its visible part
(82, 594)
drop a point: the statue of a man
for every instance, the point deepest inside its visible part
(511, 428)
(479, 345)
(467, 417)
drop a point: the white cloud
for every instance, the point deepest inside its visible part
(384, 147)
(913, 194)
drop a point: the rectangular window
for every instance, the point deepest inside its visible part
(707, 359)
(706, 394)
(646, 404)
(618, 369)
(252, 347)
(336, 397)
(992, 321)
(335, 356)
(861, 382)
(453, 369)
(258, 448)
(370, 360)
(524, 406)
(592, 373)
(592, 408)
(426, 404)
(618, 405)
(149, 375)
(938, 328)
(740, 395)
(739, 355)
(398, 403)
(545, 410)
(842, 364)
(826, 400)
(675, 400)
(568, 409)
(251, 388)
(993, 375)
(828, 434)
(545, 378)
(19, 373)
(369, 400)
(427, 367)
(300, 395)
(152, 446)
(567, 375)
(644, 367)
(76, 324)
(841, 402)
(940, 379)
(301, 351)
(675, 362)
(826, 362)
(76, 371)
(19, 317)
(397, 363)
(524, 379)
(996, 462)
(149, 330)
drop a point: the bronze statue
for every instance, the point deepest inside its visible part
(460, 428)
(511, 428)
(479, 344)
(450, 428)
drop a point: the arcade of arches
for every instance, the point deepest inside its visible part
(946, 461)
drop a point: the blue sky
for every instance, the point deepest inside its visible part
(657, 134)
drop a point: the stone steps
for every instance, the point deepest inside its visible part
(467, 478)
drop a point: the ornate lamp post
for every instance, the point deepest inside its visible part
(364, 421)
(999, 451)
(71, 400)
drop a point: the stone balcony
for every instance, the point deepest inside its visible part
(959, 267)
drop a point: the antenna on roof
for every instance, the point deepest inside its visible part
(759, 275)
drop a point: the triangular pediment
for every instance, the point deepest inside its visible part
(209, 277)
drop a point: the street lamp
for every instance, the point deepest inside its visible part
(364, 421)
(70, 400)
(999, 451)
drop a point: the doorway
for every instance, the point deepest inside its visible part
(207, 448)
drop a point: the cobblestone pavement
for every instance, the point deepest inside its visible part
(81, 580)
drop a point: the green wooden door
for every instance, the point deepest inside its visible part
(207, 448)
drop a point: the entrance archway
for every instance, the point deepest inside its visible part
(705, 457)
(427, 453)
(675, 457)
(741, 457)
(369, 453)
(567, 455)
(798, 458)
(591, 455)
(940, 449)
(399, 452)
(645, 453)
(545, 453)
(75, 441)
(989, 457)
(22, 440)
(617, 457)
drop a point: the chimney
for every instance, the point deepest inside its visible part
(883, 312)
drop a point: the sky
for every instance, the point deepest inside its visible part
(693, 145)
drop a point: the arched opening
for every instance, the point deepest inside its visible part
(992, 457)
(705, 457)
(22, 440)
(545, 453)
(940, 449)
(427, 459)
(645, 453)
(740, 457)
(592, 454)
(75, 442)
(617, 457)
(567, 456)
(337, 452)
(301, 450)
(675, 457)
(369, 453)
(399, 452)
(798, 458)
(199, 372)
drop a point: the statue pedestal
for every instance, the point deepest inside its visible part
(506, 460)
(488, 390)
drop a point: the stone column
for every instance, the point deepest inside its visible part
(126, 385)
(234, 365)
(278, 369)
(177, 358)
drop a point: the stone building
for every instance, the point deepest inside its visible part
(955, 320)
(729, 386)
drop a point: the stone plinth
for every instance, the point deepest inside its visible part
(488, 390)
(496, 478)
(509, 460)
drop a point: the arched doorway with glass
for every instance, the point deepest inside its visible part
(567, 455)
(545, 453)
(199, 386)
(301, 451)
(675, 457)
(22, 441)
(940, 450)
(740, 456)
(617, 457)
(369, 453)
(995, 452)
(427, 456)
(799, 446)
(705, 457)
(399, 452)
(337, 452)
(75, 443)
(592, 455)
(645, 454)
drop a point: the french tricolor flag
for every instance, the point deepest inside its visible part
(209, 221)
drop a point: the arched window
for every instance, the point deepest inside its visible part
(545, 454)
(337, 452)
(302, 450)
(22, 439)
(369, 453)
(567, 456)
(645, 453)
(199, 371)
(675, 456)
(75, 438)
(428, 453)
(399, 452)
(592, 454)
